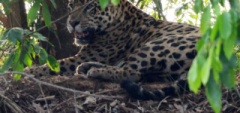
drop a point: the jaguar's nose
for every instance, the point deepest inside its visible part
(73, 23)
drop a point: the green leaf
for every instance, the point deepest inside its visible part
(205, 20)
(217, 63)
(43, 56)
(214, 2)
(205, 71)
(200, 43)
(217, 9)
(194, 80)
(214, 95)
(36, 48)
(18, 67)
(5, 34)
(229, 44)
(178, 11)
(201, 59)
(17, 76)
(115, 2)
(33, 12)
(228, 48)
(53, 3)
(15, 34)
(53, 64)
(7, 6)
(27, 58)
(46, 13)
(30, 45)
(222, 2)
(228, 78)
(216, 76)
(6, 2)
(27, 32)
(103, 4)
(218, 47)
(198, 6)
(215, 30)
(193, 15)
(234, 16)
(227, 75)
(225, 25)
(7, 63)
(17, 55)
(39, 36)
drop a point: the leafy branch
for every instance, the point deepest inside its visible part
(214, 65)
(25, 42)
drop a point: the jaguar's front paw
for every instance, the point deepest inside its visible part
(85, 67)
(100, 74)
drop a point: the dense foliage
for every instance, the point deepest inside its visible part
(24, 42)
(215, 63)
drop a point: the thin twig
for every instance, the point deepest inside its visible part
(43, 27)
(10, 104)
(160, 103)
(82, 96)
(59, 87)
(45, 100)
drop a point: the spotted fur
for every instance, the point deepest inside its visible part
(123, 44)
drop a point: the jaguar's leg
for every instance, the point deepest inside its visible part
(107, 72)
(86, 66)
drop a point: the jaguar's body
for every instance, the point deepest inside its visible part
(124, 44)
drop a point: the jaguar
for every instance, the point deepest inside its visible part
(123, 44)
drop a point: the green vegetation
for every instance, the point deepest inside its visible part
(24, 43)
(215, 63)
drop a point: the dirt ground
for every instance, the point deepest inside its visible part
(61, 94)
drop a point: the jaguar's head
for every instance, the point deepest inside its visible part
(87, 19)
